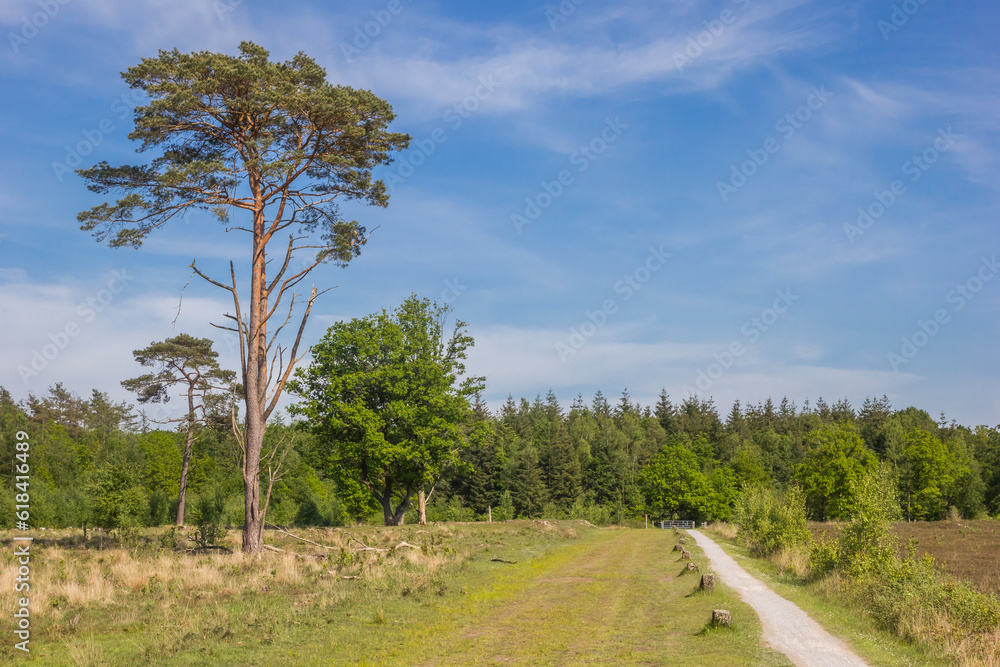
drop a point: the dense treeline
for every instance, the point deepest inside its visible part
(95, 462)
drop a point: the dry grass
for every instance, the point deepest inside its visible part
(726, 530)
(794, 560)
(175, 597)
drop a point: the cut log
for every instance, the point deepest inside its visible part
(721, 618)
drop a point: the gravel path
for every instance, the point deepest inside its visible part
(786, 627)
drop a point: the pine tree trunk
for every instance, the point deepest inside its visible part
(255, 386)
(186, 460)
(253, 526)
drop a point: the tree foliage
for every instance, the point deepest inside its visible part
(836, 457)
(386, 393)
(276, 144)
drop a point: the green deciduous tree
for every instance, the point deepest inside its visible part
(674, 484)
(925, 475)
(118, 497)
(835, 459)
(276, 144)
(387, 394)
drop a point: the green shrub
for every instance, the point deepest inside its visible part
(159, 508)
(867, 544)
(505, 510)
(918, 602)
(208, 514)
(7, 509)
(451, 510)
(908, 597)
(770, 521)
(599, 515)
(118, 498)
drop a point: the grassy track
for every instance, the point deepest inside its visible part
(618, 598)
(577, 595)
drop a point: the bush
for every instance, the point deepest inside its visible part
(867, 544)
(118, 499)
(505, 510)
(770, 521)
(919, 603)
(452, 510)
(208, 513)
(7, 509)
(599, 515)
(910, 598)
(159, 508)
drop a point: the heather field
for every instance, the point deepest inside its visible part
(967, 549)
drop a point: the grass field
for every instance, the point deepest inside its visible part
(969, 550)
(574, 595)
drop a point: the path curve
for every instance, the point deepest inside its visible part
(786, 627)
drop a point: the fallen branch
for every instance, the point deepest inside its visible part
(496, 559)
(283, 551)
(285, 532)
(365, 547)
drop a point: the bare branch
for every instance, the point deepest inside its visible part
(279, 387)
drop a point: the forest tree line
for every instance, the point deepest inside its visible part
(95, 462)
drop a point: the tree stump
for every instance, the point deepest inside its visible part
(707, 582)
(685, 554)
(721, 617)
(692, 566)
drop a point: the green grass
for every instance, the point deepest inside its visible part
(878, 648)
(576, 595)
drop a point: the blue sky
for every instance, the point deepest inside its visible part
(614, 194)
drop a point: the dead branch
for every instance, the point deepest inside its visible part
(402, 545)
(497, 559)
(365, 547)
(285, 532)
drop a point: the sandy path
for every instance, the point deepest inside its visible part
(786, 627)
